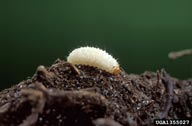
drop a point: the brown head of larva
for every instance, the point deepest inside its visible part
(116, 70)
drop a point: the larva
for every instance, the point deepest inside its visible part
(94, 57)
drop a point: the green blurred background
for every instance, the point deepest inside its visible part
(138, 33)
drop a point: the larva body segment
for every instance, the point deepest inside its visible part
(94, 57)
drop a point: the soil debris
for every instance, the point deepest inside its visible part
(78, 95)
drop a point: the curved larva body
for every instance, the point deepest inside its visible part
(94, 57)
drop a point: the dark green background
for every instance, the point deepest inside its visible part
(138, 33)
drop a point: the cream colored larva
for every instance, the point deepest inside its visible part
(95, 57)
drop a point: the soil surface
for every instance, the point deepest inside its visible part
(76, 95)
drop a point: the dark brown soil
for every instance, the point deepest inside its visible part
(68, 95)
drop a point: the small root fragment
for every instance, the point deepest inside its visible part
(178, 54)
(105, 122)
(169, 88)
